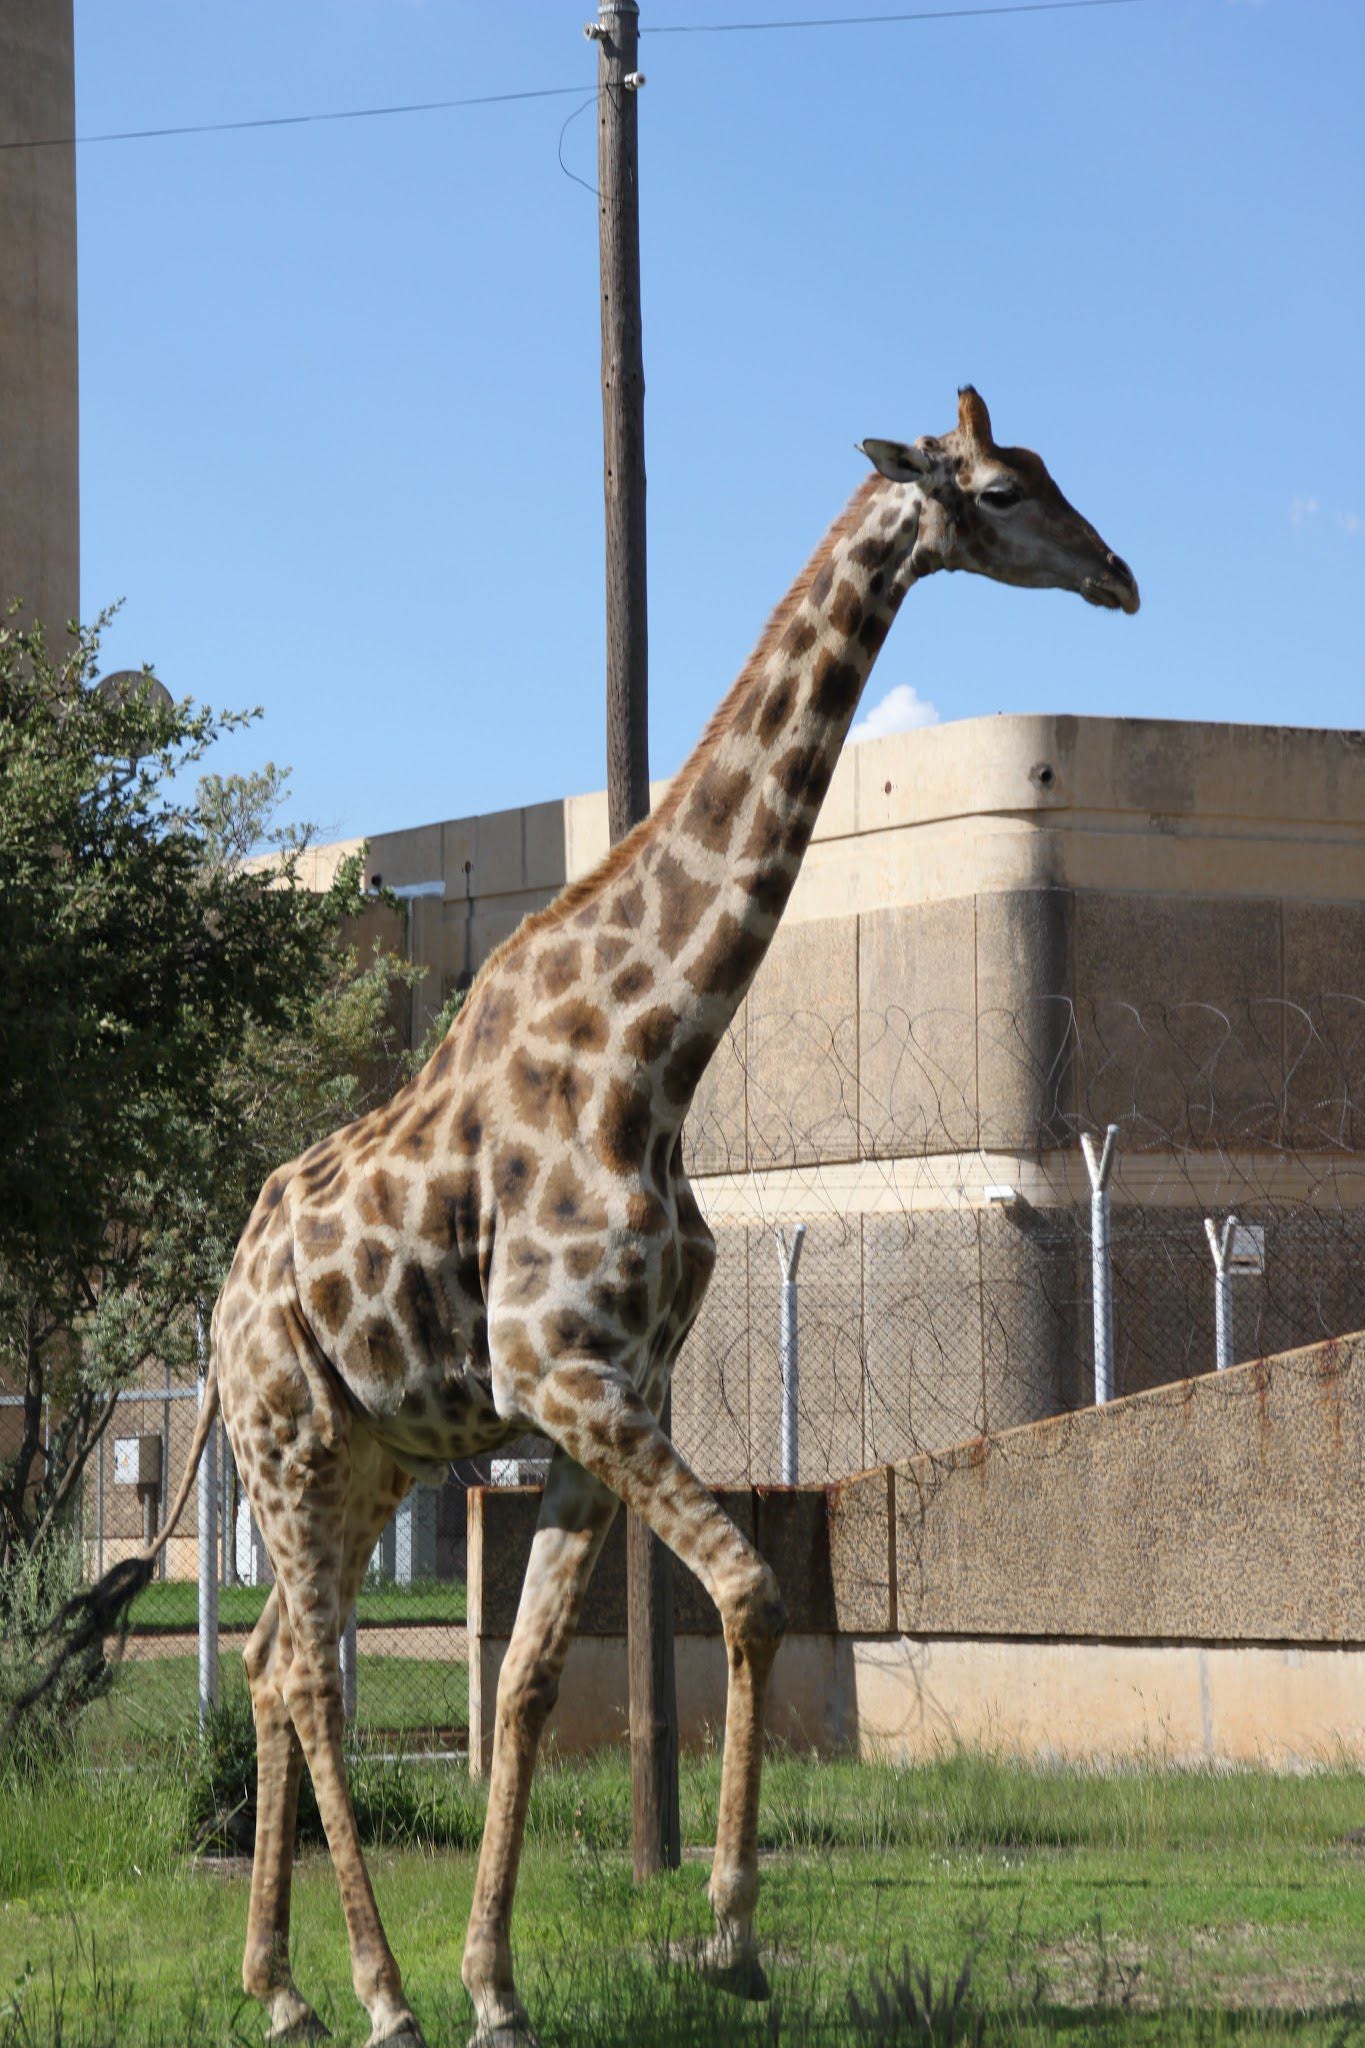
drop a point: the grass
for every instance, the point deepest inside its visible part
(173, 1606)
(1148, 1909)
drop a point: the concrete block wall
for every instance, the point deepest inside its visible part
(1175, 1574)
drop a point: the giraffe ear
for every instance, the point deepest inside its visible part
(901, 461)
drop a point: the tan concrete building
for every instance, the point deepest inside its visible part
(39, 467)
(1008, 931)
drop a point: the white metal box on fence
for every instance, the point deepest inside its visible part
(137, 1461)
(1246, 1252)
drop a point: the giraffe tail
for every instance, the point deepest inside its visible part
(88, 1619)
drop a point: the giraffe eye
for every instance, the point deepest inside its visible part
(999, 497)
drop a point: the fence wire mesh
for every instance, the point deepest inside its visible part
(944, 1286)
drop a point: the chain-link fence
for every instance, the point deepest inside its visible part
(906, 1230)
(936, 1168)
(407, 1677)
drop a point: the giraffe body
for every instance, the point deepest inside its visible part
(512, 1243)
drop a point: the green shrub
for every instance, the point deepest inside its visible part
(398, 1800)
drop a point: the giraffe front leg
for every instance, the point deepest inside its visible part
(598, 1415)
(279, 1760)
(575, 1515)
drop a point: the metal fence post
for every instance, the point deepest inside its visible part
(403, 1534)
(227, 1522)
(208, 1544)
(1101, 1276)
(99, 1508)
(348, 1669)
(789, 1345)
(1220, 1244)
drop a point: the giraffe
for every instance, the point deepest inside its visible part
(511, 1244)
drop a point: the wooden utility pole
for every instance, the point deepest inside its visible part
(656, 1830)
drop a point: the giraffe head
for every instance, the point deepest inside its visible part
(997, 512)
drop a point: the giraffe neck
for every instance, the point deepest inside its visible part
(707, 877)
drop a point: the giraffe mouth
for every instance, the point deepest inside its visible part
(1110, 595)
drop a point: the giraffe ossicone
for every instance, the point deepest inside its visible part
(511, 1244)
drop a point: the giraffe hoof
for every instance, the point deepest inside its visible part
(405, 2033)
(297, 2022)
(513, 2034)
(738, 1971)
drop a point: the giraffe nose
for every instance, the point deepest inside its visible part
(1126, 591)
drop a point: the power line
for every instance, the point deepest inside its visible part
(486, 99)
(550, 92)
(723, 28)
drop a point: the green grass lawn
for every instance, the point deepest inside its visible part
(157, 1700)
(1143, 1910)
(174, 1605)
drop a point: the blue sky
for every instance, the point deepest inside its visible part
(339, 384)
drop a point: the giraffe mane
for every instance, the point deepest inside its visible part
(575, 895)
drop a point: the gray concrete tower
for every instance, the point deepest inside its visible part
(39, 470)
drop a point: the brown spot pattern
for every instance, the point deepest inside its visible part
(489, 1020)
(777, 709)
(632, 982)
(687, 1066)
(727, 960)
(387, 1356)
(545, 1092)
(609, 951)
(710, 816)
(684, 901)
(623, 1131)
(559, 968)
(450, 1215)
(566, 1204)
(799, 637)
(846, 608)
(578, 1024)
(649, 1035)
(329, 1299)
(372, 1262)
(835, 687)
(513, 1173)
(467, 1130)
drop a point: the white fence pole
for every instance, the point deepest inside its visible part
(789, 1348)
(1220, 1244)
(1099, 1168)
(348, 1669)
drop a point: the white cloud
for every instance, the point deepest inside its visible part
(1351, 522)
(902, 709)
(1301, 509)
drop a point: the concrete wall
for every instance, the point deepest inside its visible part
(1177, 1573)
(980, 807)
(39, 474)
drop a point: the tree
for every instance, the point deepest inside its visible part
(175, 1019)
